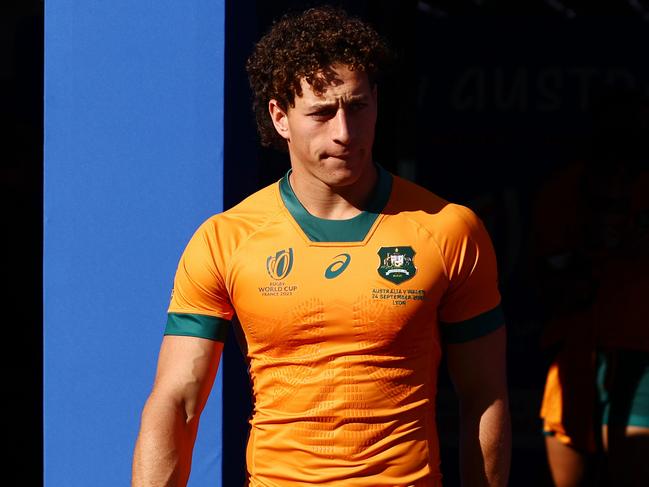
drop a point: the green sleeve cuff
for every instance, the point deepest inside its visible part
(193, 325)
(476, 327)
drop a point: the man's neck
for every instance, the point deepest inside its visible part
(333, 203)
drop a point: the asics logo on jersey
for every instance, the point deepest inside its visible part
(337, 266)
(279, 265)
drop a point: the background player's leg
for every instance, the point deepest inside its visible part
(567, 464)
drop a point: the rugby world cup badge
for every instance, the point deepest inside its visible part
(397, 263)
(279, 265)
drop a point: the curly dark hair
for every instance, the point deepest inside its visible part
(305, 46)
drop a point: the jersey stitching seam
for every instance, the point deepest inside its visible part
(219, 275)
(439, 250)
(262, 226)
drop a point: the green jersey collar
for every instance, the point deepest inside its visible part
(353, 230)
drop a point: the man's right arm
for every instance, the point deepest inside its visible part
(186, 370)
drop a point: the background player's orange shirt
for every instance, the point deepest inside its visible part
(342, 323)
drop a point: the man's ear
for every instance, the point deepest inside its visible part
(279, 118)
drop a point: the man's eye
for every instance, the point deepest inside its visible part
(354, 107)
(323, 114)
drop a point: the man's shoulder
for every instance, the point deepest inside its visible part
(253, 212)
(430, 210)
(262, 202)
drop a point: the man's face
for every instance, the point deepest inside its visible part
(330, 135)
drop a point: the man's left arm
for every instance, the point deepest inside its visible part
(478, 371)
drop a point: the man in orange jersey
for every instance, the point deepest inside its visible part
(348, 283)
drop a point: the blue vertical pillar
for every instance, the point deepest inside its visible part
(133, 164)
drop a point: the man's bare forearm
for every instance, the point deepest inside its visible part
(485, 444)
(186, 370)
(164, 446)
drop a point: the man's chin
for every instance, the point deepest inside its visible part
(348, 176)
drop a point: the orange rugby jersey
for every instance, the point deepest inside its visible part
(343, 323)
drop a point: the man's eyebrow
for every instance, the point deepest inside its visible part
(356, 98)
(319, 105)
(334, 103)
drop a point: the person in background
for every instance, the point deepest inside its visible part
(593, 260)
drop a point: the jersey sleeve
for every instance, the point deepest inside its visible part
(200, 304)
(470, 308)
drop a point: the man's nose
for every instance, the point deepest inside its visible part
(341, 129)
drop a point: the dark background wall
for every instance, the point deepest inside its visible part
(490, 99)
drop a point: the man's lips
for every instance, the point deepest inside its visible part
(341, 155)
